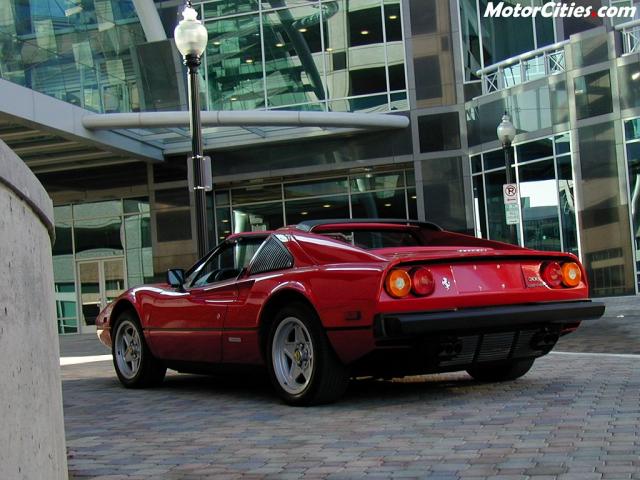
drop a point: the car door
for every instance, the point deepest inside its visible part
(187, 325)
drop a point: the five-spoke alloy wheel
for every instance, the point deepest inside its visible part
(134, 363)
(303, 367)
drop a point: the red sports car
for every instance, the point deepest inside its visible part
(324, 301)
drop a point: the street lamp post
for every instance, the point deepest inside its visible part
(191, 39)
(506, 133)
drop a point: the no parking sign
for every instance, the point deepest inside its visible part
(511, 207)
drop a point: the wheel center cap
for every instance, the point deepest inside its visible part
(297, 356)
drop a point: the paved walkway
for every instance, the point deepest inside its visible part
(574, 416)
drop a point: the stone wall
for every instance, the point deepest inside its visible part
(32, 441)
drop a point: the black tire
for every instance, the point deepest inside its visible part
(149, 371)
(501, 372)
(328, 378)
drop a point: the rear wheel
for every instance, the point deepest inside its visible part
(302, 365)
(134, 363)
(501, 372)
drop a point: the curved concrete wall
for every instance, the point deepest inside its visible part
(32, 442)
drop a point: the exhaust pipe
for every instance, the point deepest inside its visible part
(544, 340)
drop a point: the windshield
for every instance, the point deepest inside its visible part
(373, 239)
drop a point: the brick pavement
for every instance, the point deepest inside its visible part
(571, 417)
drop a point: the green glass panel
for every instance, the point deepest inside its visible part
(294, 59)
(234, 64)
(97, 209)
(221, 8)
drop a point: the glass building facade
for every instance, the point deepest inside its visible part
(571, 87)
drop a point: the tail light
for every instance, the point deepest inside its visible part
(556, 275)
(398, 283)
(552, 274)
(571, 274)
(422, 283)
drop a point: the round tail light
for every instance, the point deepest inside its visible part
(398, 283)
(422, 282)
(552, 274)
(571, 274)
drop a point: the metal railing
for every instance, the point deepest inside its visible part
(523, 68)
(630, 36)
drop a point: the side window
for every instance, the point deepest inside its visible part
(273, 255)
(227, 262)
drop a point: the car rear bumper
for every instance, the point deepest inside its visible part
(398, 325)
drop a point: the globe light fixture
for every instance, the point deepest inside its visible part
(506, 131)
(191, 37)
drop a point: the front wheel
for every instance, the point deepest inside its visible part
(134, 363)
(501, 372)
(302, 365)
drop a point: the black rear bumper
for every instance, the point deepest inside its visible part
(398, 325)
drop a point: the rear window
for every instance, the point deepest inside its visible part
(372, 239)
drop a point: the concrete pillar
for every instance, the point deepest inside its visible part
(32, 441)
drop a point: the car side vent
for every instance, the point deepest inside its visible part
(273, 255)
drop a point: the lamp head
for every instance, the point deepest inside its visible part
(190, 34)
(506, 131)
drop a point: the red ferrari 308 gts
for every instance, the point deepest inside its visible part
(324, 301)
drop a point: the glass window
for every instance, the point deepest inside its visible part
(494, 159)
(173, 225)
(476, 163)
(604, 216)
(498, 228)
(478, 204)
(234, 64)
(294, 60)
(97, 209)
(257, 217)
(567, 201)
(256, 193)
(443, 192)
(98, 237)
(593, 94)
(439, 132)
(139, 255)
(365, 25)
(315, 188)
(223, 225)
(537, 149)
(172, 198)
(518, 31)
(222, 8)
(589, 51)
(392, 21)
(629, 81)
(539, 202)
(221, 198)
(317, 209)
(376, 181)
(412, 203)
(226, 263)
(385, 204)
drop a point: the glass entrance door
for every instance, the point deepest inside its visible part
(100, 281)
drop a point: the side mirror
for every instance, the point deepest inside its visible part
(175, 277)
